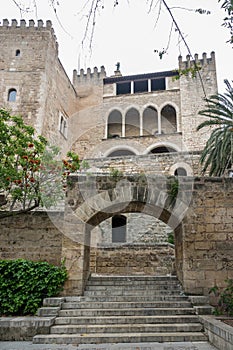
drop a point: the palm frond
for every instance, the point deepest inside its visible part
(217, 154)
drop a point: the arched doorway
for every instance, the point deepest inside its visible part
(109, 198)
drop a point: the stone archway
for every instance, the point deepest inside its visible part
(201, 253)
(93, 199)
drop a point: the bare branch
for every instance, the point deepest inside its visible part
(186, 44)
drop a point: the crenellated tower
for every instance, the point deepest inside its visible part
(198, 80)
(33, 83)
(89, 86)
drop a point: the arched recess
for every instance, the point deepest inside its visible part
(162, 149)
(114, 126)
(121, 150)
(150, 121)
(180, 172)
(165, 147)
(11, 97)
(132, 123)
(168, 119)
(181, 169)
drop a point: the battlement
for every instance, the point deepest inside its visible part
(89, 77)
(204, 61)
(6, 26)
(31, 24)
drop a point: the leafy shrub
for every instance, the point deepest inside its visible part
(24, 284)
(225, 299)
(171, 238)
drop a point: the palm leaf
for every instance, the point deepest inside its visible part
(217, 154)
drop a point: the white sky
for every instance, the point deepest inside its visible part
(127, 34)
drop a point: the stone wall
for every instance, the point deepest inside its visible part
(130, 259)
(32, 236)
(161, 164)
(208, 236)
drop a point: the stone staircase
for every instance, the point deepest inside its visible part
(124, 309)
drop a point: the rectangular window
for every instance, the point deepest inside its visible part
(123, 88)
(158, 84)
(63, 125)
(141, 86)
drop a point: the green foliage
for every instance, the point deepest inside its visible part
(30, 173)
(24, 284)
(191, 70)
(225, 299)
(173, 190)
(20, 160)
(115, 173)
(171, 238)
(218, 152)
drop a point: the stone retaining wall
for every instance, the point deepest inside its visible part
(130, 259)
(32, 236)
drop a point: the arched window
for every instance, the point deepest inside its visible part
(12, 95)
(132, 123)
(150, 121)
(168, 120)
(119, 228)
(114, 124)
(17, 53)
(121, 152)
(180, 172)
(162, 149)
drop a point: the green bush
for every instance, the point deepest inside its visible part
(225, 299)
(171, 238)
(24, 284)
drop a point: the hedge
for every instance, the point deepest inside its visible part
(24, 284)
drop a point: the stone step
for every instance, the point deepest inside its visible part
(127, 298)
(125, 305)
(103, 278)
(125, 309)
(132, 292)
(126, 312)
(127, 328)
(132, 282)
(136, 288)
(101, 338)
(100, 320)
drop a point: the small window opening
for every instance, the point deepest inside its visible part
(12, 95)
(119, 229)
(17, 53)
(180, 172)
(63, 126)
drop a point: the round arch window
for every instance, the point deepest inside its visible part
(121, 152)
(180, 172)
(162, 149)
